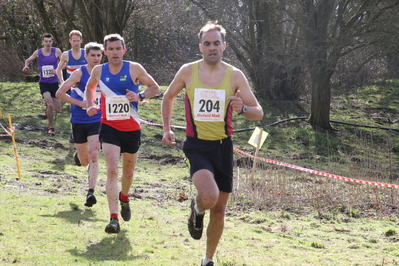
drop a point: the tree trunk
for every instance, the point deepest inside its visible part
(45, 20)
(316, 36)
(320, 105)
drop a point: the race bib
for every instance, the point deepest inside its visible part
(209, 105)
(97, 99)
(47, 71)
(118, 108)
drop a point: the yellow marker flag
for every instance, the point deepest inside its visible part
(254, 139)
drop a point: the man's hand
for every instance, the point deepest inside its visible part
(92, 110)
(131, 96)
(169, 138)
(236, 102)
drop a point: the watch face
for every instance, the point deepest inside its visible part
(142, 96)
(243, 110)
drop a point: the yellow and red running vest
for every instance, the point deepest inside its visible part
(208, 113)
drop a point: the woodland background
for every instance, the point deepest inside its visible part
(296, 50)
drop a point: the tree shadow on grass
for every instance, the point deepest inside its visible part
(75, 215)
(110, 248)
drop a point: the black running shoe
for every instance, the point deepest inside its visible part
(90, 199)
(209, 263)
(125, 209)
(113, 227)
(71, 139)
(195, 223)
(76, 159)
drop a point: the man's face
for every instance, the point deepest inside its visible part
(75, 41)
(115, 52)
(94, 57)
(212, 46)
(47, 42)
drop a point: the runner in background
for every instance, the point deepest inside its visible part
(72, 60)
(85, 129)
(47, 60)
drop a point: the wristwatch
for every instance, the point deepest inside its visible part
(243, 110)
(142, 96)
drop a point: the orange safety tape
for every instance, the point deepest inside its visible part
(319, 172)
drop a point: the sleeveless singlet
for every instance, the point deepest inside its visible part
(79, 115)
(73, 63)
(117, 111)
(208, 113)
(46, 65)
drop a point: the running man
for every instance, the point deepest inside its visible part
(85, 129)
(73, 58)
(214, 89)
(120, 126)
(47, 60)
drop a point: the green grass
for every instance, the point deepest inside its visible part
(280, 217)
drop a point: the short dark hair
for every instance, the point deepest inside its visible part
(93, 46)
(212, 25)
(113, 38)
(47, 35)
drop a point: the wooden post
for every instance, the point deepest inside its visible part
(257, 152)
(15, 146)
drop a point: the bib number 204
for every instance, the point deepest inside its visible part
(209, 106)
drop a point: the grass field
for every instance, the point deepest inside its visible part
(281, 216)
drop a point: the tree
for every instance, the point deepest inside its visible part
(283, 43)
(19, 36)
(264, 41)
(94, 18)
(331, 30)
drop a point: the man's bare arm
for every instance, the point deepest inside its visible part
(29, 60)
(61, 66)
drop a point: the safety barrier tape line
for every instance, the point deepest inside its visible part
(319, 172)
(160, 125)
(299, 167)
(8, 132)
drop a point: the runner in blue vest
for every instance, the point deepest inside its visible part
(72, 60)
(85, 128)
(120, 124)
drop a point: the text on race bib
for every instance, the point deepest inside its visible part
(209, 104)
(97, 99)
(117, 108)
(47, 71)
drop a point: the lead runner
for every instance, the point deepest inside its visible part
(120, 125)
(214, 89)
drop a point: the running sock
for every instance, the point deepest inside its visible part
(196, 210)
(124, 198)
(115, 216)
(91, 190)
(205, 261)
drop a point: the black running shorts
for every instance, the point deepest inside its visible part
(81, 131)
(48, 87)
(213, 155)
(128, 141)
